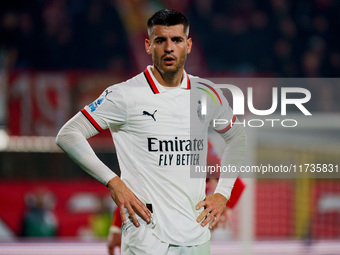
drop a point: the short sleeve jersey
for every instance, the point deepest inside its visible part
(160, 134)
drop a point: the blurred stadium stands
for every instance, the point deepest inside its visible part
(283, 38)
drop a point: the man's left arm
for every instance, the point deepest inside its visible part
(233, 156)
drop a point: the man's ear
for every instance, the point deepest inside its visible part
(189, 45)
(147, 46)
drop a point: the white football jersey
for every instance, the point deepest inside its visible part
(160, 135)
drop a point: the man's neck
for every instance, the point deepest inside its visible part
(168, 80)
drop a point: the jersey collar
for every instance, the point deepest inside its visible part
(156, 87)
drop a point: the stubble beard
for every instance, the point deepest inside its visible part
(169, 74)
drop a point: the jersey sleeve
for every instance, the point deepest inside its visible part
(223, 116)
(108, 110)
(222, 120)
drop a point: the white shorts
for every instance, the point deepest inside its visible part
(141, 241)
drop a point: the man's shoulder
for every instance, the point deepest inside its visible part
(196, 81)
(132, 83)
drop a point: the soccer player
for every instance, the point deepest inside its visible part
(159, 139)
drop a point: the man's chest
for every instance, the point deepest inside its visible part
(164, 113)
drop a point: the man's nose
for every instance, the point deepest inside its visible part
(168, 47)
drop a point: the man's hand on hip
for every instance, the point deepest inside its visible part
(124, 198)
(214, 207)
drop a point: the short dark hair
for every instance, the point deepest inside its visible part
(168, 17)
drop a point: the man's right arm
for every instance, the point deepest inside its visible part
(72, 138)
